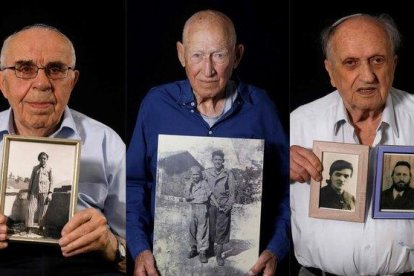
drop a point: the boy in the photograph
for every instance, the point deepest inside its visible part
(198, 194)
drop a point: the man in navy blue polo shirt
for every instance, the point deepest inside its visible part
(208, 103)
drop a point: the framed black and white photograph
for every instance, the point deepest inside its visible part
(394, 188)
(39, 186)
(208, 205)
(341, 195)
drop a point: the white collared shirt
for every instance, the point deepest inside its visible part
(378, 246)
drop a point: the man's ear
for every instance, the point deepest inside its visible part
(180, 53)
(328, 67)
(2, 84)
(239, 51)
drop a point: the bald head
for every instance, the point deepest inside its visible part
(382, 25)
(12, 38)
(210, 19)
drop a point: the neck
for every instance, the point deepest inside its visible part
(219, 170)
(365, 124)
(36, 132)
(338, 191)
(212, 106)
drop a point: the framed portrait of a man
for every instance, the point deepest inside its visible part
(341, 195)
(39, 186)
(394, 187)
(208, 205)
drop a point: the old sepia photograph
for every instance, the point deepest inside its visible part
(341, 193)
(394, 188)
(208, 205)
(39, 186)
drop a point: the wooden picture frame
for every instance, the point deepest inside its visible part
(341, 194)
(393, 169)
(39, 186)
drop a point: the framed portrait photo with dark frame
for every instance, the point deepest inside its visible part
(394, 188)
(341, 194)
(39, 186)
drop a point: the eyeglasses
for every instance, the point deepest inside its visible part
(54, 71)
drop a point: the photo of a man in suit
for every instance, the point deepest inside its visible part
(400, 195)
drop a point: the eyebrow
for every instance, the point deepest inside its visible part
(31, 62)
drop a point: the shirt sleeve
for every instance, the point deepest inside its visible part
(139, 222)
(114, 208)
(276, 209)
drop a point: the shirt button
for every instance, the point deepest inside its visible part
(210, 132)
(192, 104)
(192, 110)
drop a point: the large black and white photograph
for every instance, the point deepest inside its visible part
(341, 194)
(208, 205)
(394, 188)
(39, 186)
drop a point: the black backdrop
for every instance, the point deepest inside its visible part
(98, 34)
(282, 53)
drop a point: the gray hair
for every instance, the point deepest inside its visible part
(384, 20)
(36, 26)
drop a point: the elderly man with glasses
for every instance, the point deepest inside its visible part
(37, 77)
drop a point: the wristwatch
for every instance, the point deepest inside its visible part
(120, 252)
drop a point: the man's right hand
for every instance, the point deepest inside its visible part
(3, 231)
(304, 164)
(145, 264)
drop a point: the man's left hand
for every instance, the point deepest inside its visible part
(267, 263)
(88, 231)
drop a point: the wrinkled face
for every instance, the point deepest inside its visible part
(218, 162)
(37, 103)
(361, 64)
(340, 178)
(195, 175)
(401, 178)
(209, 58)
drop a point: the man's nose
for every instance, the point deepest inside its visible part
(42, 81)
(208, 66)
(367, 73)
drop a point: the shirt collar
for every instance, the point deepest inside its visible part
(187, 96)
(67, 127)
(388, 116)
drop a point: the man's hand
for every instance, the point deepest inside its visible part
(88, 231)
(145, 264)
(304, 164)
(3, 231)
(266, 263)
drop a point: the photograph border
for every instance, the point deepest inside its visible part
(7, 139)
(359, 214)
(377, 213)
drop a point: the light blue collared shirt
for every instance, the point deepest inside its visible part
(102, 164)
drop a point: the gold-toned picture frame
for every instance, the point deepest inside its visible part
(39, 187)
(341, 194)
